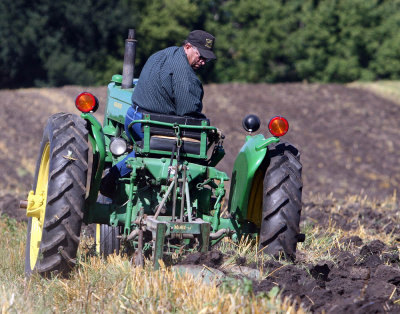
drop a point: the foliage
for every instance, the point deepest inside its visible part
(342, 41)
(251, 39)
(59, 42)
(69, 42)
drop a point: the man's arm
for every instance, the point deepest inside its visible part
(188, 94)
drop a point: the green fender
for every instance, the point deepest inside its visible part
(96, 139)
(245, 199)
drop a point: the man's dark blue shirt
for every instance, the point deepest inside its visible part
(169, 85)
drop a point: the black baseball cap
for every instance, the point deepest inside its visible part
(204, 42)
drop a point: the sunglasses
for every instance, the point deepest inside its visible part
(198, 54)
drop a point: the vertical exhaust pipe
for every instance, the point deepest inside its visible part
(128, 69)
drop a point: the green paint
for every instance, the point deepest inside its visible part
(247, 162)
(139, 194)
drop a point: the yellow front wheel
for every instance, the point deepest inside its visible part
(36, 209)
(56, 202)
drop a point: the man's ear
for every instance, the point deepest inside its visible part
(186, 47)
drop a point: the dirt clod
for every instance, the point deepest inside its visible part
(211, 259)
(241, 260)
(320, 271)
(352, 241)
(374, 248)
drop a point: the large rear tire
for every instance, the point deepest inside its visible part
(281, 211)
(56, 202)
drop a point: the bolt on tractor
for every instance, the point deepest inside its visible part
(174, 197)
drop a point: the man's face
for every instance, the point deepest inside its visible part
(194, 58)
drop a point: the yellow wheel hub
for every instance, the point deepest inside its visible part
(36, 208)
(98, 238)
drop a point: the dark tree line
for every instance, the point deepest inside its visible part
(53, 43)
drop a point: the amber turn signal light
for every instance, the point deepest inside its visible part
(86, 102)
(278, 126)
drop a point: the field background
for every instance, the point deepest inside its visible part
(348, 136)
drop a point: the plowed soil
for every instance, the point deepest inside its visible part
(356, 277)
(350, 145)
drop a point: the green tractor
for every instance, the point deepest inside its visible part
(174, 197)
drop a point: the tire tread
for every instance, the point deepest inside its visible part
(282, 201)
(65, 194)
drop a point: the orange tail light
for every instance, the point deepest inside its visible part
(86, 102)
(278, 126)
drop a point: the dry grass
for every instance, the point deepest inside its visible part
(114, 285)
(324, 241)
(387, 89)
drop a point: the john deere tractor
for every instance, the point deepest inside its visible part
(174, 197)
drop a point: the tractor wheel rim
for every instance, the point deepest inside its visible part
(41, 189)
(98, 238)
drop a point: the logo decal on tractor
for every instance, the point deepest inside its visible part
(118, 105)
(182, 227)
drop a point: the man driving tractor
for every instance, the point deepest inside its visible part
(168, 85)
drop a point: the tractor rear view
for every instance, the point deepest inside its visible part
(173, 197)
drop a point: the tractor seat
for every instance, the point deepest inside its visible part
(167, 131)
(162, 138)
(167, 143)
